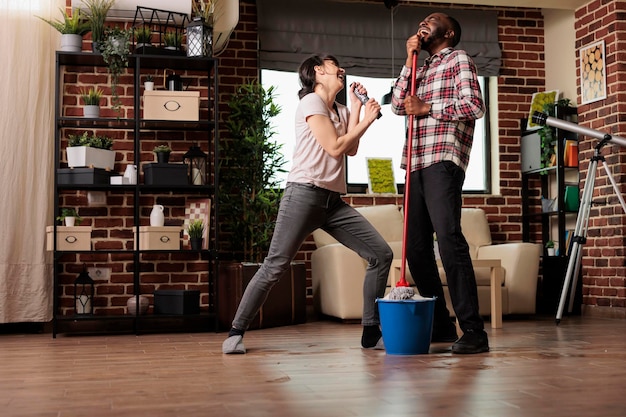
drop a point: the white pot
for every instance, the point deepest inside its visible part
(149, 85)
(551, 251)
(91, 111)
(71, 43)
(86, 156)
(70, 221)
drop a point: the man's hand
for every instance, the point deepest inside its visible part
(414, 105)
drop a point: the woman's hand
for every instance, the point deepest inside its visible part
(354, 100)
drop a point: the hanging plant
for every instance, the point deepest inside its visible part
(546, 133)
(115, 51)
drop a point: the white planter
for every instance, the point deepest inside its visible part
(71, 43)
(149, 85)
(91, 111)
(85, 156)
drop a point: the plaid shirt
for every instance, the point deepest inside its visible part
(449, 82)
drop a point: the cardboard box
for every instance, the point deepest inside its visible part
(177, 302)
(171, 105)
(69, 238)
(165, 174)
(159, 238)
(84, 176)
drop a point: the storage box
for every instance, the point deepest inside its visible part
(159, 238)
(176, 302)
(84, 176)
(69, 238)
(171, 105)
(165, 174)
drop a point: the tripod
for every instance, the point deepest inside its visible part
(582, 220)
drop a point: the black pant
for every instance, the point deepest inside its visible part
(435, 206)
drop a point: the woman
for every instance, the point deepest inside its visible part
(325, 132)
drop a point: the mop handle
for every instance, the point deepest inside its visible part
(407, 182)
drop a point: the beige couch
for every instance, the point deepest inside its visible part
(337, 272)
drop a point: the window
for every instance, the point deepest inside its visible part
(384, 139)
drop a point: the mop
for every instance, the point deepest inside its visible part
(403, 290)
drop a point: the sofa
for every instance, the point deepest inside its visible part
(338, 272)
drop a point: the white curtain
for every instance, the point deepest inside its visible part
(27, 54)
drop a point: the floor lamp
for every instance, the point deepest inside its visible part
(582, 221)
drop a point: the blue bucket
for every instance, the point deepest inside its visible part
(407, 325)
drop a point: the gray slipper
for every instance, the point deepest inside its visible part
(233, 344)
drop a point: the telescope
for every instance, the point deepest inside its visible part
(542, 119)
(582, 219)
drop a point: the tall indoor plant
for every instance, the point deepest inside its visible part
(249, 194)
(97, 11)
(249, 162)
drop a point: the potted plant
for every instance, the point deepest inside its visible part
(249, 162)
(143, 36)
(550, 247)
(149, 83)
(70, 217)
(172, 40)
(91, 100)
(90, 151)
(163, 153)
(97, 11)
(115, 52)
(72, 29)
(196, 233)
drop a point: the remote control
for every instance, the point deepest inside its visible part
(364, 99)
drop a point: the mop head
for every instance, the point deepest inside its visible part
(400, 293)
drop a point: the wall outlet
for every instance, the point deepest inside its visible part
(96, 198)
(100, 273)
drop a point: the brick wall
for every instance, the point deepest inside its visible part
(603, 270)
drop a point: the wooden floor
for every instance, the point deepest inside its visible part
(535, 368)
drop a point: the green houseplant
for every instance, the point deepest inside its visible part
(163, 153)
(115, 52)
(172, 39)
(143, 36)
(249, 162)
(69, 216)
(546, 134)
(196, 233)
(97, 11)
(91, 99)
(91, 96)
(90, 151)
(72, 29)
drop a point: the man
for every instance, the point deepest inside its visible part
(446, 105)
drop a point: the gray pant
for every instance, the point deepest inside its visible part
(303, 209)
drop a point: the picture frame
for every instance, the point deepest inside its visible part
(380, 176)
(537, 102)
(593, 72)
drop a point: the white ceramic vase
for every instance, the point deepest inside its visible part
(157, 218)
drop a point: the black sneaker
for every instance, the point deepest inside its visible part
(472, 341)
(444, 333)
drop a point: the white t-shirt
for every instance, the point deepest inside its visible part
(311, 164)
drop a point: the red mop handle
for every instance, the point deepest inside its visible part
(407, 182)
